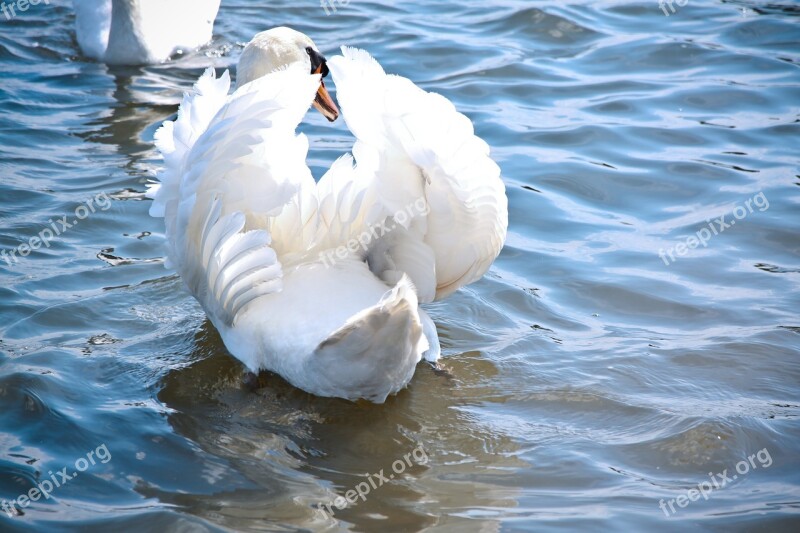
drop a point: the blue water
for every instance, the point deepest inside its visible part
(609, 360)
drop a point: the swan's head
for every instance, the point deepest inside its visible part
(281, 47)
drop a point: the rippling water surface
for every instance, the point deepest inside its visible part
(608, 361)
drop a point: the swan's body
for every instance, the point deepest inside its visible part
(275, 259)
(139, 32)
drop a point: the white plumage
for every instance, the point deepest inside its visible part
(294, 274)
(139, 32)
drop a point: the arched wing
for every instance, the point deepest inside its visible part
(232, 166)
(420, 161)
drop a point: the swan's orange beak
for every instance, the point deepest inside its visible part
(323, 101)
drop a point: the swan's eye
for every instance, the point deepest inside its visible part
(318, 63)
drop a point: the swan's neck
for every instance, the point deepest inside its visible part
(126, 42)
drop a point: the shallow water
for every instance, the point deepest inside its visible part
(591, 374)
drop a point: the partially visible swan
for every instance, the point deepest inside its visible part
(321, 283)
(140, 32)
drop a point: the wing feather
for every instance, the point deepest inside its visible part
(413, 146)
(232, 166)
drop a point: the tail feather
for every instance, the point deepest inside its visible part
(376, 352)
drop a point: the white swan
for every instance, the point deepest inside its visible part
(321, 283)
(139, 32)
